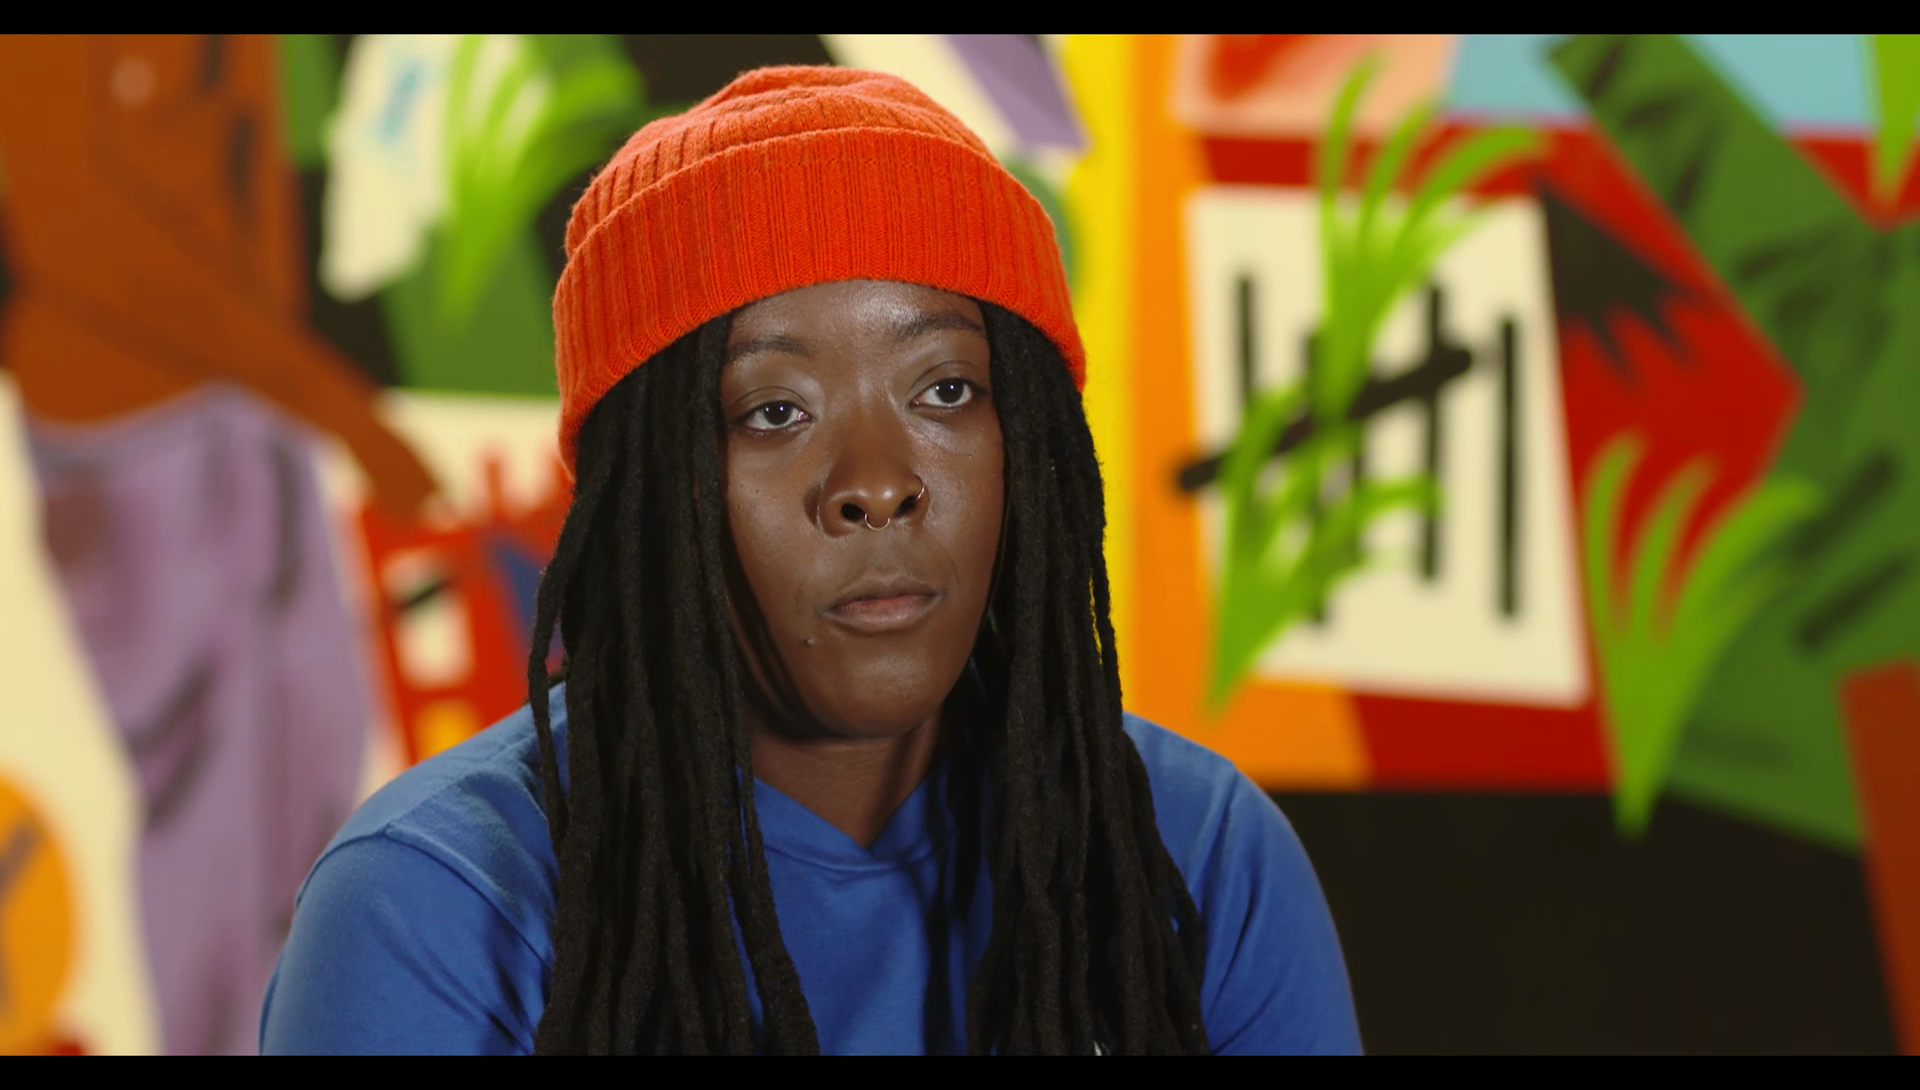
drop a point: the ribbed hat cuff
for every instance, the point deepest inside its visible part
(786, 213)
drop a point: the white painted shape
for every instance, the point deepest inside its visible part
(1389, 631)
(386, 142)
(59, 745)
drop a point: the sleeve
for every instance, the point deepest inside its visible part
(392, 952)
(1276, 982)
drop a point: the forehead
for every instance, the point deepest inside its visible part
(855, 309)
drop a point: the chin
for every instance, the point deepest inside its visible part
(876, 708)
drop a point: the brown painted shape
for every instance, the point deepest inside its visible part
(1882, 708)
(153, 231)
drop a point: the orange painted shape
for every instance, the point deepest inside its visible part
(1280, 734)
(1882, 708)
(1289, 736)
(36, 925)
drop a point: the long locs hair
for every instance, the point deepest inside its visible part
(1096, 941)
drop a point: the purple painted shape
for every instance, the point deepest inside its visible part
(1016, 73)
(194, 551)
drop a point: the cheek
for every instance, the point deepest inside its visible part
(981, 488)
(771, 539)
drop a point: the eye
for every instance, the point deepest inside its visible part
(950, 393)
(773, 416)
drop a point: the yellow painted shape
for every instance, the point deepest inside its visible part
(1099, 201)
(1280, 734)
(36, 924)
(444, 724)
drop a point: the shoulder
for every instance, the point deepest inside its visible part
(1275, 979)
(425, 925)
(479, 810)
(1205, 805)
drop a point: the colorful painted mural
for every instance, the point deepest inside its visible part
(1527, 414)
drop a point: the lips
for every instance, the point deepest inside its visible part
(880, 606)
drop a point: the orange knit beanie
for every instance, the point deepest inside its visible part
(790, 177)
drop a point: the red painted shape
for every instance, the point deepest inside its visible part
(1846, 160)
(1289, 161)
(496, 683)
(1882, 709)
(1848, 163)
(1442, 744)
(1238, 62)
(1716, 390)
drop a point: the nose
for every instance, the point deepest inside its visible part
(871, 487)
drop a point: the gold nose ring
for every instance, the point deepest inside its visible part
(868, 519)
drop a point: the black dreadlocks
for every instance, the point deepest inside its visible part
(1096, 940)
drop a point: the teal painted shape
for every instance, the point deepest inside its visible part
(1795, 80)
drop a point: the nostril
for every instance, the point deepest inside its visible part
(909, 504)
(851, 512)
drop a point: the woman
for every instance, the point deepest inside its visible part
(839, 764)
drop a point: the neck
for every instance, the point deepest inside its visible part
(856, 784)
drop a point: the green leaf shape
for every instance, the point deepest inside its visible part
(1375, 258)
(553, 110)
(1657, 650)
(309, 87)
(1372, 258)
(1896, 67)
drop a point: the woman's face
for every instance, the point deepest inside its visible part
(864, 488)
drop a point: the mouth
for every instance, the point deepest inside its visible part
(884, 607)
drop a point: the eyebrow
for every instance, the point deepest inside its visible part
(923, 324)
(918, 326)
(778, 342)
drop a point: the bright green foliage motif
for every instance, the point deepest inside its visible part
(524, 115)
(1896, 62)
(1279, 560)
(1657, 652)
(1836, 297)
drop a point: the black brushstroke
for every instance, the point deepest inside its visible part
(213, 62)
(1596, 277)
(1824, 623)
(20, 845)
(1863, 491)
(426, 593)
(1799, 250)
(240, 154)
(183, 726)
(1357, 479)
(1317, 610)
(1444, 363)
(6, 279)
(1509, 470)
(1653, 113)
(1601, 76)
(1248, 347)
(1686, 187)
(1430, 518)
(283, 588)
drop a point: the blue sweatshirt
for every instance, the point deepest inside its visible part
(427, 925)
